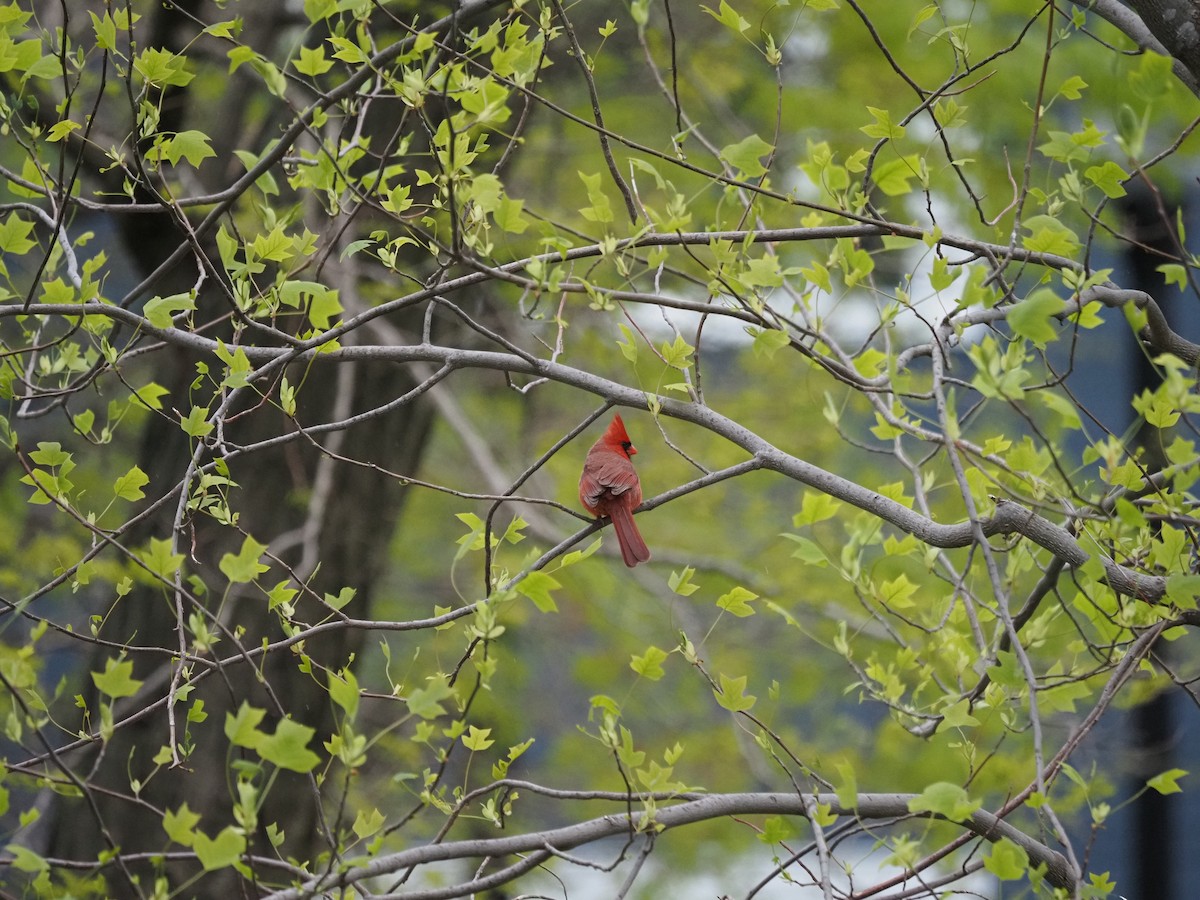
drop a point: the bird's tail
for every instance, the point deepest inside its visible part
(633, 548)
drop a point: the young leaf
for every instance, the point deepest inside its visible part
(477, 738)
(728, 17)
(129, 486)
(746, 156)
(242, 729)
(243, 567)
(537, 587)
(220, 852)
(681, 582)
(1032, 317)
(288, 747)
(732, 694)
(1006, 860)
(117, 679)
(737, 602)
(649, 664)
(1167, 782)
(180, 826)
(366, 823)
(343, 690)
(945, 799)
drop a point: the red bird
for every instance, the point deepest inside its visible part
(609, 487)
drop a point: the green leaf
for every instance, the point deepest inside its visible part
(897, 593)
(180, 826)
(288, 747)
(220, 852)
(732, 694)
(237, 365)
(427, 702)
(162, 68)
(807, 551)
(25, 860)
(728, 17)
(737, 602)
(341, 598)
(280, 594)
(1153, 77)
(628, 346)
(818, 276)
(83, 421)
(161, 310)
(312, 62)
(1182, 590)
(14, 235)
(815, 506)
(847, 786)
(105, 30)
(55, 290)
(243, 567)
(1072, 87)
(892, 177)
(649, 664)
(601, 208)
(190, 145)
(883, 126)
(230, 29)
(681, 582)
(510, 216)
(958, 715)
(537, 586)
(51, 454)
(676, 353)
(1006, 860)
(151, 395)
(477, 739)
(242, 729)
(485, 191)
(1175, 274)
(746, 155)
(1067, 412)
(159, 559)
(1048, 235)
(1108, 178)
(768, 341)
(945, 799)
(129, 486)
(196, 423)
(942, 275)
(1167, 782)
(367, 823)
(117, 679)
(1033, 317)
(775, 830)
(343, 690)
(316, 10)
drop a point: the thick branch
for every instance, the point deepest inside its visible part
(1157, 333)
(1176, 24)
(1010, 518)
(1133, 24)
(703, 808)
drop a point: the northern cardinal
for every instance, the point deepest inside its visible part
(609, 487)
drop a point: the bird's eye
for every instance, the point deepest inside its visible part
(626, 445)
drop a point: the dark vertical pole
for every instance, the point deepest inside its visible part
(1152, 724)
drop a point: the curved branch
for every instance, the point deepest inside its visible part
(1157, 333)
(1139, 27)
(694, 809)
(1009, 518)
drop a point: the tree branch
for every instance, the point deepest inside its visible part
(694, 809)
